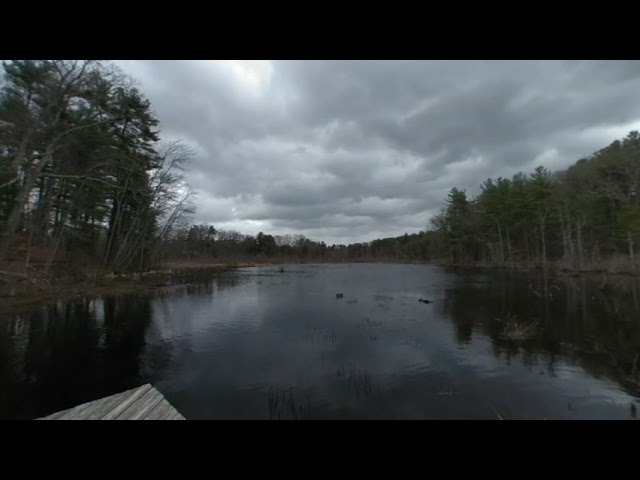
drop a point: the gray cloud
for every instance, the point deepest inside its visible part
(346, 151)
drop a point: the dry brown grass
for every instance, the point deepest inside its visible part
(519, 330)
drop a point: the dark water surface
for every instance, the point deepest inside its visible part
(258, 344)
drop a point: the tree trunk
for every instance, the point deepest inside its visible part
(11, 226)
(113, 226)
(543, 244)
(141, 266)
(572, 253)
(509, 250)
(61, 220)
(501, 245)
(28, 256)
(21, 154)
(630, 243)
(580, 250)
(565, 236)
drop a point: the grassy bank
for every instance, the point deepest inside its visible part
(22, 291)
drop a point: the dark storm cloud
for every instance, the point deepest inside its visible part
(352, 150)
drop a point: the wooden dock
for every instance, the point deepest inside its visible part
(142, 403)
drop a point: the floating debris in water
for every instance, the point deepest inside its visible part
(422, 300)
(382, 297)
(368, 323)
(339, 295)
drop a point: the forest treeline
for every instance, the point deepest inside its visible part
(87, 185)
(84, 180)
(585, 217)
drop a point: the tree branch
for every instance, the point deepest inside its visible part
(10, 182)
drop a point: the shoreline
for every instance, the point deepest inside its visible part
(69, 289)
(24, 294)
(554, 270)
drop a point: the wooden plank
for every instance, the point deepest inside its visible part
(177, 416)
(163, 411)
(141, 403)
(73, 412)
(54, 416)
(98, 408)
(77, 412)
(142, 406)
(106, 405)
(127, 402)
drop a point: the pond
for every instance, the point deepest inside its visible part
(275, 342)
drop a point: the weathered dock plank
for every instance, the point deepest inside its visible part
(143, 406)
(106, 405)
(127, 402)
(141, 403)
(162, 411)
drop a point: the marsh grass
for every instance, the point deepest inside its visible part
(443, 387)
(368, 323)
(284, 406)
(519, 330)
(320, 336)
(358, 381)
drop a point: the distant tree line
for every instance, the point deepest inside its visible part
(205, 242)
(584, 217)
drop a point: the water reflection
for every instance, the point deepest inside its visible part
(67, 353)
(584, 321)
(272, 344)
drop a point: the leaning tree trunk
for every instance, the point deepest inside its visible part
(11, 226)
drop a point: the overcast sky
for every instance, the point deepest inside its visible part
(346, 151)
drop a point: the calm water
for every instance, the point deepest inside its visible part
(261, 344)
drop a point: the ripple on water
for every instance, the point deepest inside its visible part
(221, 345)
